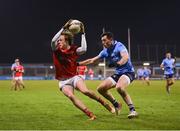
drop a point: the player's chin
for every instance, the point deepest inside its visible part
(61, 46)
(105, 46)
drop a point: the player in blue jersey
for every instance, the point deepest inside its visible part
(140, 72)
(117, 55)
(168, 65)
(146, 75)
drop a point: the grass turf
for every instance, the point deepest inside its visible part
(42, 106)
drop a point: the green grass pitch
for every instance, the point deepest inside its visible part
(41, 106)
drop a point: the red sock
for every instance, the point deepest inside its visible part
(88, 113)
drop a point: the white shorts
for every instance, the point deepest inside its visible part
(71, 81)
(18, 78)
(83, 76)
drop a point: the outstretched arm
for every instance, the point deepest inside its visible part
(89, 61)
(83, 48)
(162, 66)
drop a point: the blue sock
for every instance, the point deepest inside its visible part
(131, 107)
(115, 103)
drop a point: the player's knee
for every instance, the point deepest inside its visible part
(71, 97)
(86, 92)
(100, 90)
(172, 81)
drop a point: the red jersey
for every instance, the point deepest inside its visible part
(19, 69)
(91, 72)
(65, 62)
(81, 70)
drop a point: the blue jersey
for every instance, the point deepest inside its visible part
(112, 54)
(146, 72)
(140, 72)
(168, 66)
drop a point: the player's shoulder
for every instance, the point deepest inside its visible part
(119, 44)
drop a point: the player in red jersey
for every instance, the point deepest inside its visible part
(91, 74)
(82, 71)
(65, 55)
(18, 71)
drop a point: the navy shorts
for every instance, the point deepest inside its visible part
(139, 77)
(131, 76)
(169, 76)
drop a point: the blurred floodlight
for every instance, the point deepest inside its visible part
(146, 64)
(51, 67)
(101, 64)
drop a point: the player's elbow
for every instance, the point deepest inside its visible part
(81, 50)
(84, 50)
(126, 58)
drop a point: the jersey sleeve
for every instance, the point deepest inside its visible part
(122, 48)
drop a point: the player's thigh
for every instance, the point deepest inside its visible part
(13, 81)
(21, 79)
(106, 84)
(172, 80)
(147, 78)
(81, 86)
(168, 80)
(16, 83)
(68, 90)
(123, 82)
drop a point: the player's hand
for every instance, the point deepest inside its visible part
(66, 26)
(82, 28)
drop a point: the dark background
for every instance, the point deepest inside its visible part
(27, 26)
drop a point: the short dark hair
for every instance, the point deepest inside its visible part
(108, 34)
(68, 36)
(168, 52)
